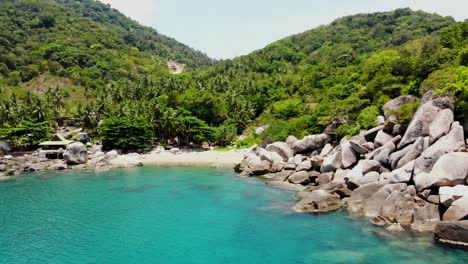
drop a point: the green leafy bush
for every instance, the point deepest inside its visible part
(125, 133)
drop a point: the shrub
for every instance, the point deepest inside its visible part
(125, 133)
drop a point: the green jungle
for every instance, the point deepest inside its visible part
(83, 59)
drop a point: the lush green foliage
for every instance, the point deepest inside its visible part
(126, 134)
(113, 68)
(27, 134)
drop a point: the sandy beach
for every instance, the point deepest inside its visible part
(204, 158)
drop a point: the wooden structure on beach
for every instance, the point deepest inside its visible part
(54, 149)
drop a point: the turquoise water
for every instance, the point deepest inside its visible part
(185, 215)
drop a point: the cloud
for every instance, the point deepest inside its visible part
(142, 11)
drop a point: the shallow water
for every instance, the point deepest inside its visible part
(185, 215)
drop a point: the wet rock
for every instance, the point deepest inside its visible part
(285, 185)
(371, 207)
(361, 194)
(318, 201)
(259, 167)
(455, 233)
(280, 176)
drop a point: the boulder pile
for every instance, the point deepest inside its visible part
(413, 179)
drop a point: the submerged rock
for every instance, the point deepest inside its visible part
(319, 201)
(455, 233)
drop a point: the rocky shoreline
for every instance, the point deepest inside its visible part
(412, 179)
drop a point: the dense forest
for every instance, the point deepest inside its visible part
(84, 59)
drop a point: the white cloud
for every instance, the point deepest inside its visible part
(142, 11)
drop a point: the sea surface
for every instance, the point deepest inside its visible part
(186, 215)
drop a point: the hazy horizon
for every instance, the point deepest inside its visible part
(225, 30)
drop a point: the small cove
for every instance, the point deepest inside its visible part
(186, 215)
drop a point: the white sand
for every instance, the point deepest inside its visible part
(205, 158)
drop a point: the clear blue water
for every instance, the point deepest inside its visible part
(185, 215)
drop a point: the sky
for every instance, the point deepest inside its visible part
(225, 29)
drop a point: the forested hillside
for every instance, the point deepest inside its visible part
(83, 59)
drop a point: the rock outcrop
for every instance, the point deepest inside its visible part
(76, 153)
(412, 181)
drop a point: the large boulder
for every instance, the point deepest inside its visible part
(428, 214)
(396, 156)
(285, 185)
(450, 170)
(382, 138)
(450, 194)
(4, 147)
(358, 148)
(348, 156)
(422, 119)
(392, 106)
(280, 176)
(75, 154)
(403, 174)
(259, 167)
(271, 156)
(290, 140)
(301, 177)
(371, 207)
(361, 169)
(449, 143)
(331, 163)
(455, 233)
(282, 149)
(441, 124)
(457, 211)
(361, 194)
(113, 154)
(319, 201)
(372, 133)
(310, 143)
(414, 150)
(306, 165)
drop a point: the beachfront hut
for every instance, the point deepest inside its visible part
(54, 149)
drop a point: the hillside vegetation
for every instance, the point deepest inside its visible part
(84, 59)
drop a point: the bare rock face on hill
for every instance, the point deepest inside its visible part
(412, 180)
